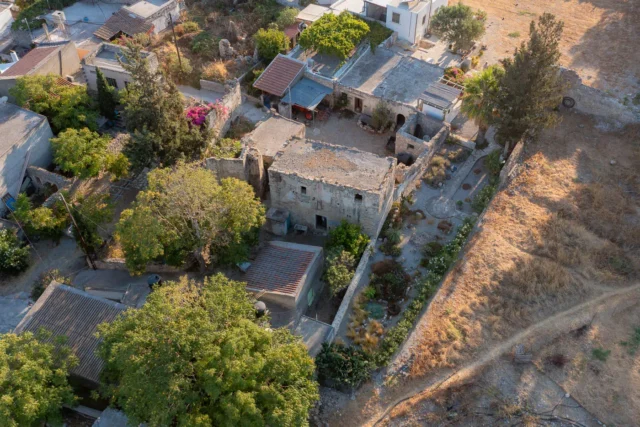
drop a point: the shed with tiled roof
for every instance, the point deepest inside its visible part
(286, 274)
(123, 23)
(281, 74)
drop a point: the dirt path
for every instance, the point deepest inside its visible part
(533, 336)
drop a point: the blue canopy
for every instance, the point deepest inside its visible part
(307, 94)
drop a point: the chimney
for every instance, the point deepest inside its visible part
(14, 56)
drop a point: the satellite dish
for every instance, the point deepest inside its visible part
(302, 26)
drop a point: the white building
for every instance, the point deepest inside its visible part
(107, 58)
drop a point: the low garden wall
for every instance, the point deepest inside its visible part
(119, 264)
(351, 290)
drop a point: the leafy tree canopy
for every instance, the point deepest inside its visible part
(458, 24)
(194, 355)
(350, 237)
(480, 97)
(335, 35)
(185, 210)
(65, 106)
(84, 153)
(287, 17)
(14, 256)
(531, 87)
(33, 379)
(41, 221)
(270, 43)
(154, 113)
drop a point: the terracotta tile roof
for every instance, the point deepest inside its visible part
(123, 22)
(292, 30)
(30, 61)
(279, 75)
(70, 312)
(281, 269)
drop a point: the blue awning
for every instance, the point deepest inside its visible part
(307, 94)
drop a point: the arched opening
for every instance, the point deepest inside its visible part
(418, 133)
(400, 119)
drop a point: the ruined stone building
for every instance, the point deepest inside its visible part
(321, 184)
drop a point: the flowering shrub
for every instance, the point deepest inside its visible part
(454, 74)
(197, 114)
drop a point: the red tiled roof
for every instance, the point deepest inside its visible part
(292, 30)
(74, 314)
(30, 61)
(123, 22)
(278, 75)
(279, 269)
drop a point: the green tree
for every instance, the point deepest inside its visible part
(458, 24)
(154, 113)
(335, 35)
(194, 355)
(270, 43)
(107, 96)
(82, 153)
(14, 256)
(41, 221)
(90, 213)
(343, 366)
(479, 99)
(340, 269)
(33, 379)
(531, 88)
(286, 17)
(350, 237)
(185, 210)
(66, 106)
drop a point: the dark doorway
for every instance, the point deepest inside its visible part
(321, 222)
(400, 119)
(358, 104)
(418, 133)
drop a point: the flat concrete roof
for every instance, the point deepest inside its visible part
(389, 75)
(143, 9)
(334, 164)
(15, 125)
(313, 334)
(271, 135)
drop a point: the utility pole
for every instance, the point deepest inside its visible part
(175, 41)
(29, 28)
(84, 244)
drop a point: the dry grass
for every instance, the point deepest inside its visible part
(215, 71)
(563, 231)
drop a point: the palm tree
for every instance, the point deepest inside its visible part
(478, 101)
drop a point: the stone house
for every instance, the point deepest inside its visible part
(56, 58)
(107, 57)
(322, 184)
(24, 142)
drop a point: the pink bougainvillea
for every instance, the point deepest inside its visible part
(197, 114)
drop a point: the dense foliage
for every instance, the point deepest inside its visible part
(33, 379)
(335, 35)
(90, 213)
(479, 98)
(107, 96)
(270, 43)
(341, 366)
(350, 237)
(83, 153)
(458, 24)
(340, 269)
(205, 45)
(226, 148)
(154, 113)
(531, 87)
(41, 221)
(185, 211)
(14, 256)
(66, 106)
(286, 17)
(194, 355)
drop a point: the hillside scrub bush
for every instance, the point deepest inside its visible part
(390, 246)
(350, 237)
(14, 256)
(342, 366)
(205, 45)
(178, 69)
(287, 17)
(340, 269)
(190, 27)
(216, 71)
